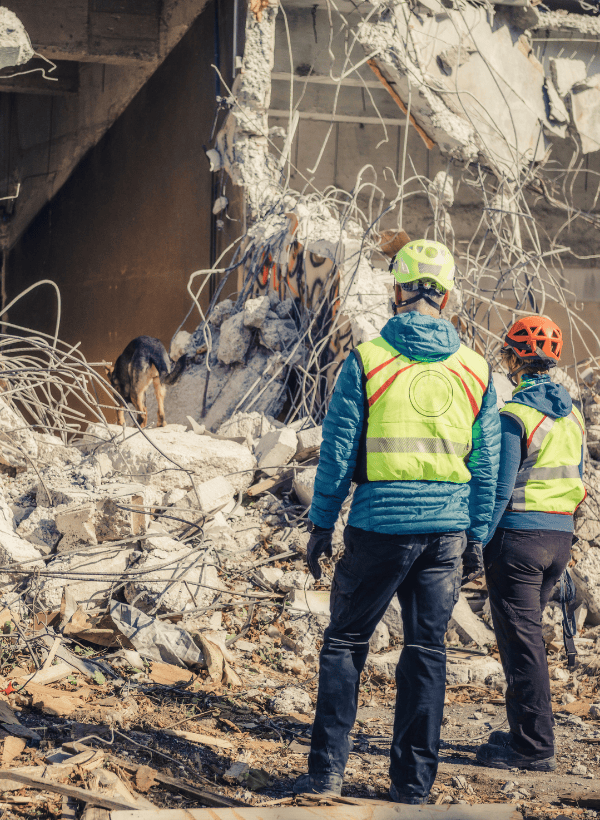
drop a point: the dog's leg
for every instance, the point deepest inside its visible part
(120, 416)
(159, 391)
(138, 399)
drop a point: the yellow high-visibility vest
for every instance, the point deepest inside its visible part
(420, 414)
(548, 479)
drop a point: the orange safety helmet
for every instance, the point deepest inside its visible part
(535, 338)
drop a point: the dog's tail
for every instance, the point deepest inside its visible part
(178, 368)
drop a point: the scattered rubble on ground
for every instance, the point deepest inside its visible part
(156, 581)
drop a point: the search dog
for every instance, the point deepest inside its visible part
(144, 360)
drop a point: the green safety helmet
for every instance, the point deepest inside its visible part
(424, 259)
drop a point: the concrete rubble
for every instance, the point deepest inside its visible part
(170, 562)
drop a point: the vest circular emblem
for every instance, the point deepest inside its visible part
(431, 393)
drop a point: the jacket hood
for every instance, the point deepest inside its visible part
(543, 395)
(422, 338)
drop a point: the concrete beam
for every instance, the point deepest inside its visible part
(65, 80)
(106, 31)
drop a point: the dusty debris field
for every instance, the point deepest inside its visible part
(165, 737)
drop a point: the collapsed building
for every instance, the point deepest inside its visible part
(177, 543)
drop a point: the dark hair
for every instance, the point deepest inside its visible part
(539, 366)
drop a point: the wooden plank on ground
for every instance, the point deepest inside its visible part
(171, 783)
(39, 783)
(378, 811)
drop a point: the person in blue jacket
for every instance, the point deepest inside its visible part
(413, 422)
(540, 485)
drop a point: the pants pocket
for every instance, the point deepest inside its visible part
(344, 585)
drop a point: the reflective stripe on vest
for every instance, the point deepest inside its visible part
(548, 480)
(420, 414)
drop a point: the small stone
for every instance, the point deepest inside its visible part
(380, 639)
(285, 308)
(237, 773)
(291, 699)
(278, 334)
(311, 437)
(269, 576)
(296, 579)
(595, 710)
(567, 697)
(560, 674)
(304, 485)
(460, 782)
(578, 768)
(393, 618)
(214, 494)
(221, 312)
(234, 340)
(255, 311)
(509, 786)
(276, 449)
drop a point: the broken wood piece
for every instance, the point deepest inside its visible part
(94, 813)
(145, 778)
(169, 674)
(109, 784)
(13, 746)
(268, 483)
(171, 783)
(195, 737)
(69, 808)
(48, 662)
(585, 800)
(88, 760)
(368, 810)
(7, 715)
(39, 783)
(50, 675)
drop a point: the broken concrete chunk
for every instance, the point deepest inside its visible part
(269, 576)
(380, 639)
(249, 425)
(185, 452)
(309, 437)
(285, 308)
(40, 529)
(221, 312)
(234, 340)
(295, 579)
(179, 581)
(291, 699)
(278, 334)
(469, 627)
(77, 526)
(214, 494)
(89, 592)
(276, 449)
(566, 73)
(179, 344)
(585, 105)
(393, 618)
(255, 311)
(472, 668)
(304, 485)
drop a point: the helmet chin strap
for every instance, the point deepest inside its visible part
(422, 293)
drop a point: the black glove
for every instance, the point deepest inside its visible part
(472, 562)
(319, 544)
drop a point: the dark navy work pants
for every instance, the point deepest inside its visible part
(522, 567)
(424, 571)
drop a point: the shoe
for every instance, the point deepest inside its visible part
(505, 757)
(329, 783)
(412, 799)
(498, 738)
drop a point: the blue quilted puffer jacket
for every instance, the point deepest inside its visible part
(398, 507)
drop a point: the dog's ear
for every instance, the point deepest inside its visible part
(108, 371)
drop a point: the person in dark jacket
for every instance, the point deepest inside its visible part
(540, 486)
(413, 422)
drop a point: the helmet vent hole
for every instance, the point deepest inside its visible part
(431, 253)
(419, 249)
(521, 333)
